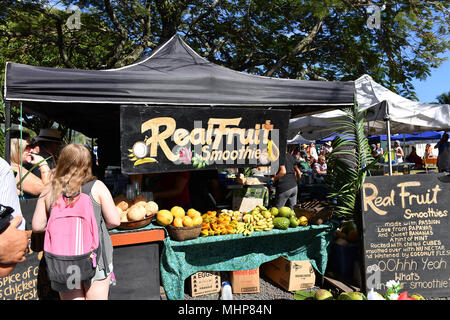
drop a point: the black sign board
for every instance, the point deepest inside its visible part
(406, 233)
(163, 138)
(22, 282)
(136, 269)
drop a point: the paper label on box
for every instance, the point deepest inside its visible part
(205, 283)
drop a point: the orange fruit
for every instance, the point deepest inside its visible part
(187, 221)
(177, 222)
(197, 220)
(178, 212)
(192, 213)
(164, 217)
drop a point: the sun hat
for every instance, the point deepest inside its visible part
(51, 135)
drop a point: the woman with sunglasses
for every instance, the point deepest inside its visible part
(31, 186)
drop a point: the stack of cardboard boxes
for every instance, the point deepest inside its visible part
(290, 275)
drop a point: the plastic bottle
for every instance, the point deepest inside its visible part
(226, 294)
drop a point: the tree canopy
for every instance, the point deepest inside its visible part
(297, 39)
(443, 98)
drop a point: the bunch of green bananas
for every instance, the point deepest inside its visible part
(257, 222)
(244, 228)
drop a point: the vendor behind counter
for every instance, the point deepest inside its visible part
(174, 190)
(202, 183)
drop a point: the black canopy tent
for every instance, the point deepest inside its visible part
(173, 74)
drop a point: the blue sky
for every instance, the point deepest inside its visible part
(436, 84)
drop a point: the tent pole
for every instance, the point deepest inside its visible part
(8, 131)
(387, 118)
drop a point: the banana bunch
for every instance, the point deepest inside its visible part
(245, 228)
(249, 228)
(257, 222)
(240, 227)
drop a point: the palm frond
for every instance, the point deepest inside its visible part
(349, 162)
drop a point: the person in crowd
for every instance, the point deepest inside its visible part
(398, 151)
(443, 160)
(327, 147)
(322, 151)
(313, 151)
(286, 182)
(302, 162)
(31, 185)
(303, 165)
(13, 238)
(47, 144)
(73, 170)
(320, 169)
(174, 190)
(414, 158)
(296, 153)
(428, 152)
(374, 151)
(380, 149)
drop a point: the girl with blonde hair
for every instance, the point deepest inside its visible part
(73, 174)
(31, 184)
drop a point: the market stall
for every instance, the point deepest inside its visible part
(146, 113)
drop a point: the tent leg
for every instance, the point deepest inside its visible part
(388, 125)
(8, 131)
(388, 129)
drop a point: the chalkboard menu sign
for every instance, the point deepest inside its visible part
(406, 233)
(21, 283)
(163, 139)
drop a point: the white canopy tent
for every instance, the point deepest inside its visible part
(298, 139)
(386, 112)
(380, 104)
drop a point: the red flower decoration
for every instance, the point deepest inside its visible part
(404, 296)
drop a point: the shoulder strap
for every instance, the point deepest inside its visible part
(86, 188)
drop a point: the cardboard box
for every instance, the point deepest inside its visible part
(291, 275)
(245, 281)
(205, 282)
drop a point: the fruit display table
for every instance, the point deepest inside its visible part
(180, 259)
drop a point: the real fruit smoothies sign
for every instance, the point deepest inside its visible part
(162, 139)
(406, 233)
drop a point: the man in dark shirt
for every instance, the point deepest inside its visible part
(286, 183)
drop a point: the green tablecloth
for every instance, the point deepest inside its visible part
(180, 259)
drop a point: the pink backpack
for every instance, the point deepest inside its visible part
(71, 243)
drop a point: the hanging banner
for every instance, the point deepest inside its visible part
(165, 139)
(406, 225)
